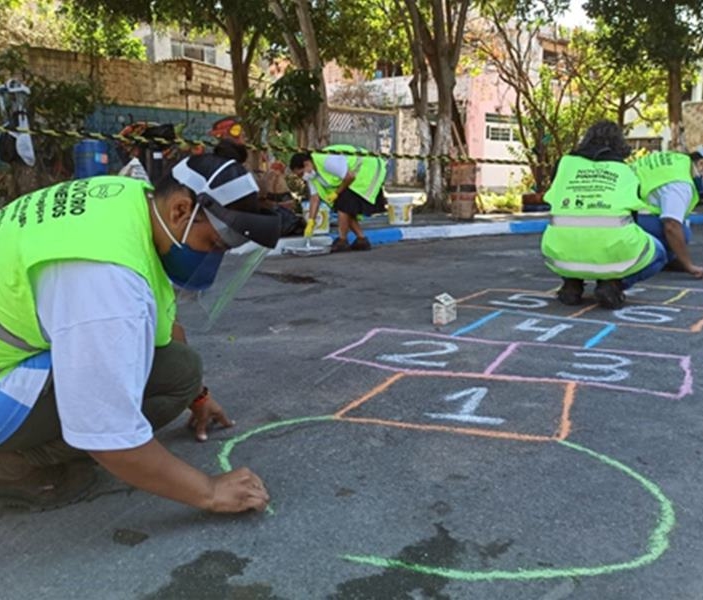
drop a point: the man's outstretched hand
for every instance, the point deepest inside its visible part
(205, 413)
(238, 491)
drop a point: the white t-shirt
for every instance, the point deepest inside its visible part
(673, 198)
(336, 164)
(100, 321)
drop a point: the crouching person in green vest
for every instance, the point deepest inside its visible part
(352, 185)
(89, 366)
(668, 188)
(592, 234)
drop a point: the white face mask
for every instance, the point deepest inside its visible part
(308, 175)
(159, 218)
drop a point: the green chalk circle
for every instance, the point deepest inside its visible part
(657, 544)
(228, 446)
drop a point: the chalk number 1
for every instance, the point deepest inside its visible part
(472, 398)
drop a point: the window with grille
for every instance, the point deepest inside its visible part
(500, 128)
(202, 53)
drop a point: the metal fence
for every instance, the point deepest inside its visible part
(374, 130)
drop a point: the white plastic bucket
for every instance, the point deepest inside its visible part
(322, 220)
(400, 210)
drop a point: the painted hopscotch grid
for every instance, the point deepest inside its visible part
(637, 313)
(522, 325)
(420, 353)
(458, 404)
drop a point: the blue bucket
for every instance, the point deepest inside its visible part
(90, 158)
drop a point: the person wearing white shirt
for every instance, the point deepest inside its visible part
(91, 359)
(351, 182)
(667, 184)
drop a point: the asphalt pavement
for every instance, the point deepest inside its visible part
(524, 451)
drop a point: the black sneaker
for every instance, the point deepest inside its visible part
(361, 244)
(570, 292)
(609, 294)
(340, 245)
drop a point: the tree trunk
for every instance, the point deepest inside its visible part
(440, 147)
(459, 127)
(240, 72)
(318, 130)
(316, 133)
(674, 96)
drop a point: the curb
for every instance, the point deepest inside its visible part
(392, 235)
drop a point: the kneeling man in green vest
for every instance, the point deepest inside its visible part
(90, 365)
(592, 233)
(668, 188)
(351, 183)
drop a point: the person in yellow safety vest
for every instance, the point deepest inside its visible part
(352, 184)
(667, 186)
(592, 234)
(92, 360)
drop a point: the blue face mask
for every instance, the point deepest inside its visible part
(187, 268)
(191, 269)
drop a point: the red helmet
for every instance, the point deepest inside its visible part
(230, 128)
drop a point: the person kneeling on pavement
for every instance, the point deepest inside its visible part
(668, 187)
(592, 233)
(90, 364)
(351, 184)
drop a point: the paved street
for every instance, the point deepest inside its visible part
(525, 451)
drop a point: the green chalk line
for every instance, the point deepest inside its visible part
(658, 543)
(227, 447)
(223, 455)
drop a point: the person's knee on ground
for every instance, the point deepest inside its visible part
(29, 487)
(571, 291)
(174, 382)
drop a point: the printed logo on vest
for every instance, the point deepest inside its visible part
(105, 190)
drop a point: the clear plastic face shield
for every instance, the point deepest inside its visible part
(206, 282)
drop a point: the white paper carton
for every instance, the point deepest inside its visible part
(443, 309)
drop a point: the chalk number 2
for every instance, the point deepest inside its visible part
(417, 358)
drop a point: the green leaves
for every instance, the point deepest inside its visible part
(657, 31)
(287, 104)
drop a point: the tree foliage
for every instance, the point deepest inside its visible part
(555, 103)
(288, 104)
(70, 25)
(368, 31)
(97, 31)
(665, 33)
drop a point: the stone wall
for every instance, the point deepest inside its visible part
(408, 171)
(693, 123)
(179, 84)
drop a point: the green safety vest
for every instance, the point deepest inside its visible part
(102, 219)
(370, 173)
(592, 234)
(659, 168)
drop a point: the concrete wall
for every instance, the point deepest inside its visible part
(489, 95)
